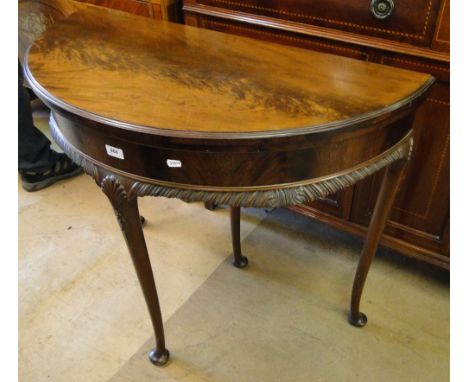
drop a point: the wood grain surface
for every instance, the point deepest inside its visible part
(169, 77)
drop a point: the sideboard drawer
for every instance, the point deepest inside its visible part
(286, 38)
(409, 21)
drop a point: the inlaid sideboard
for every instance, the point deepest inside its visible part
(410, 34)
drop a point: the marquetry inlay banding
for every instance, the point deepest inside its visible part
(419, 36)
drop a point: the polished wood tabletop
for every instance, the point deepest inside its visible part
(178, 79)
(150, 108)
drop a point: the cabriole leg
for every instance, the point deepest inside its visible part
(126, 211)
(388, 190)
(238, 260)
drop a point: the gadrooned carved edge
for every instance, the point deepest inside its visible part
(114, 190)
(263, 198)
(274, 198)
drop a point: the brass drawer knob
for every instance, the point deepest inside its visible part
(381, 9)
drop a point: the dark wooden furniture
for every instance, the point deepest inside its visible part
(169, 10)
(413, 34)
(236, 121)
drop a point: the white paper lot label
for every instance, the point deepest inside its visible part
(174, 163)
(114, 152)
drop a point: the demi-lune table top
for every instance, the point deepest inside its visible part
(176, 80)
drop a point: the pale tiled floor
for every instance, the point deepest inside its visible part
(283, 318)
(81, 312)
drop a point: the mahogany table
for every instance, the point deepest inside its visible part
(153, 108)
